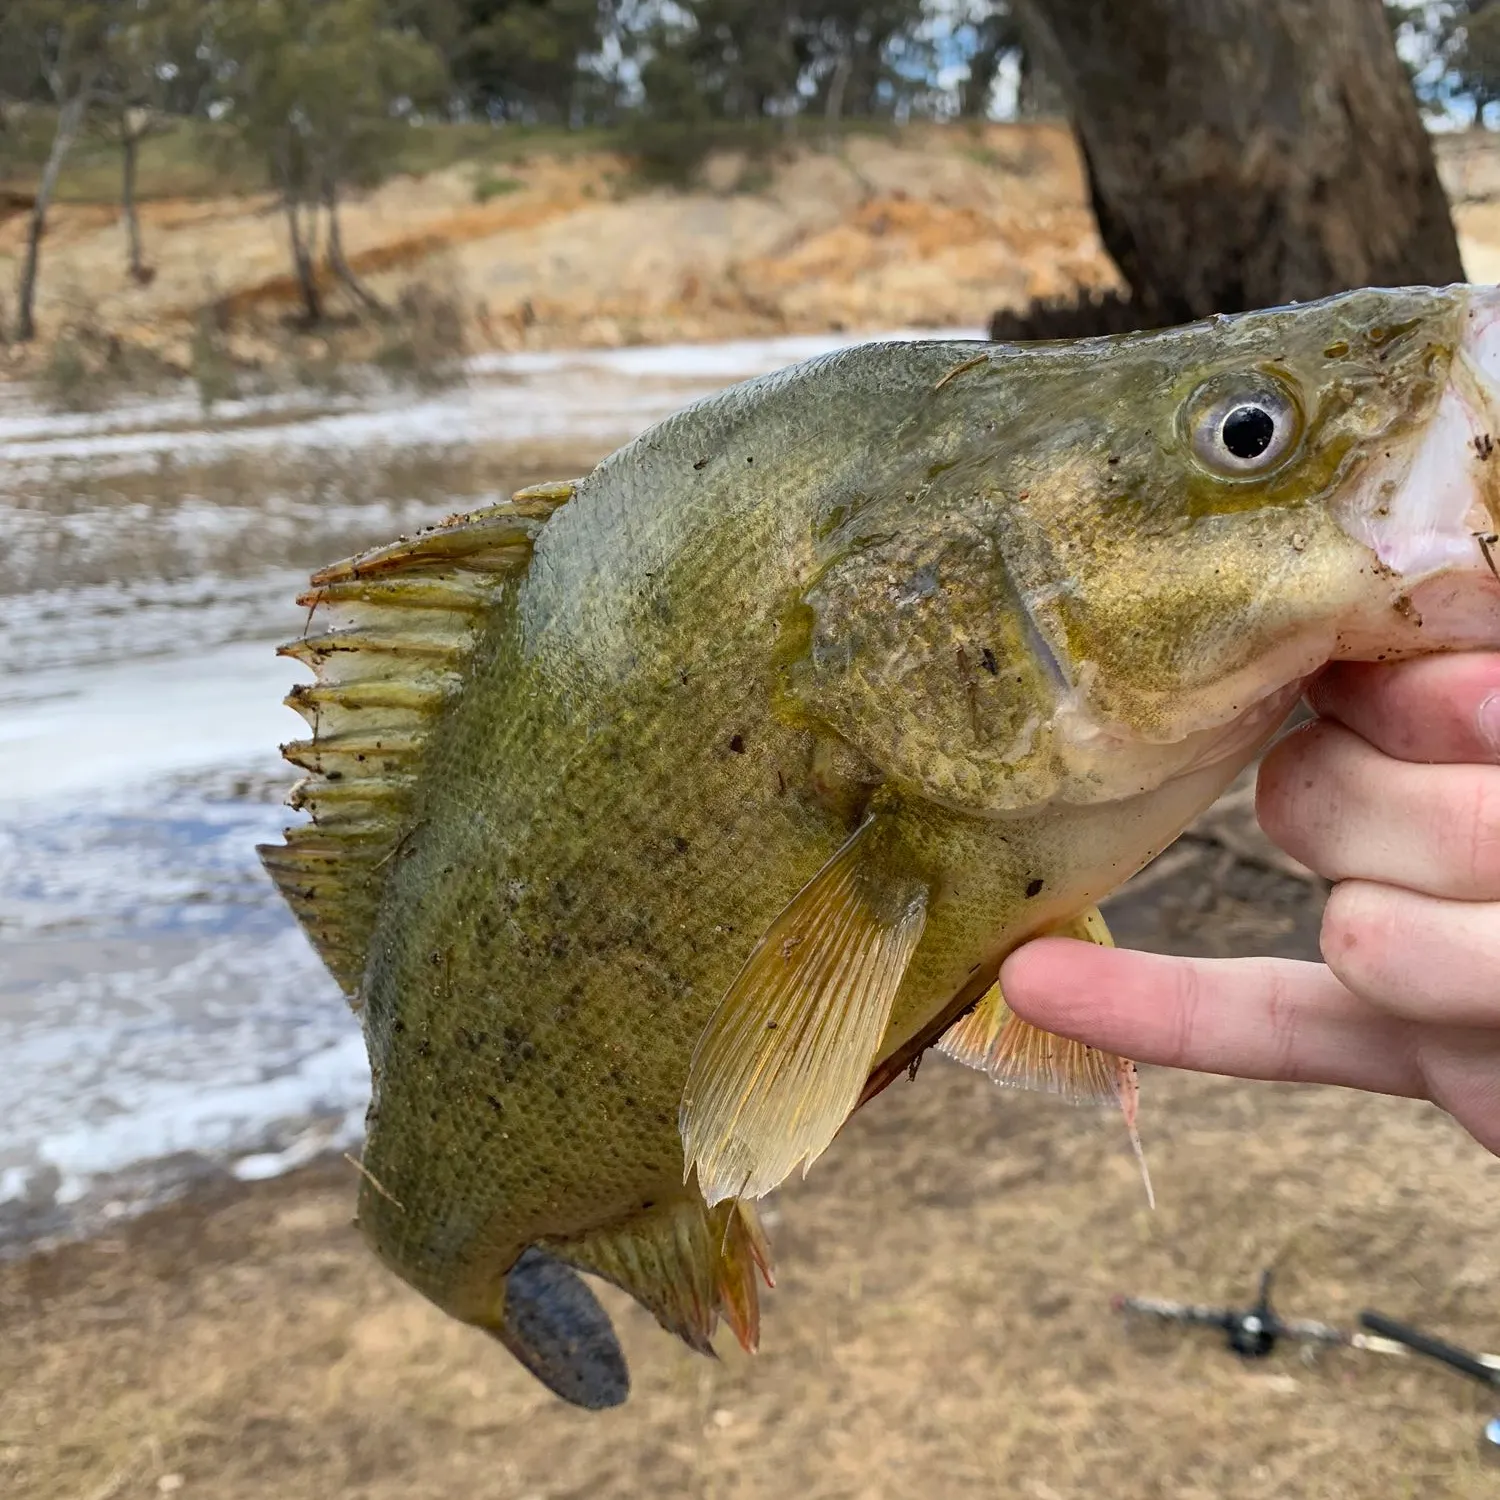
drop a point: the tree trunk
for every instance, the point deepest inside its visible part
(69, 118)
(1246, 153)
(974, 92)
(129, 142)
(336, 259)
(1037, 93)
(302, 237)
(833, 108)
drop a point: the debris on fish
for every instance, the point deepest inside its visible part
(661, 817)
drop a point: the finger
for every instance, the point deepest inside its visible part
(1336, 803)
(1433, 708)
(1250, 1017)
(1421, 959)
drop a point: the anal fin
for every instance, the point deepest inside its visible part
(686, 1263)
(781, 1064)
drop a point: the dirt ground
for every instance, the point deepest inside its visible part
(941, 1324)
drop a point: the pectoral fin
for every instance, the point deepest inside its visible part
(781, 1064)
(994, 1039)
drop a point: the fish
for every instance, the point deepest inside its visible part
(660, 818)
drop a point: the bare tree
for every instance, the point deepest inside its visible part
(1246, 152)
(317, 87)
(65, 40)
(145, 45)
(126, 125)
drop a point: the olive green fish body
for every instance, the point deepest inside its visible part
(619, 803)
(749, 765)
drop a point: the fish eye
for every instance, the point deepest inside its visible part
(1244, 426)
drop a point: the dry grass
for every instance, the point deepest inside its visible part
(86, 366)
(941, 1326)
(200, 158)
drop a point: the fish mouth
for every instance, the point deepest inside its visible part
(1436, 509)
(1474, 379)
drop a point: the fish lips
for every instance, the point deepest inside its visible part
(1423, 509)
(1430, 510)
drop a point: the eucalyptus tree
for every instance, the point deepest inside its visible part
(57, 48)
(317, 89)
(1248, 152)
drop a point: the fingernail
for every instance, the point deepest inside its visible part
(1489, 723)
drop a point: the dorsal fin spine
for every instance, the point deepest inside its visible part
(314, 650)
(446, 591)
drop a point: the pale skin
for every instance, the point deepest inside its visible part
(1393, 793)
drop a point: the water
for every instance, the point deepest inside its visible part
(162, 1019)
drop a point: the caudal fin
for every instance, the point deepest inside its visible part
(554, 1325)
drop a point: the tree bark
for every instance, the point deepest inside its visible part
(129, 142)
(69, 118)
(1245, 153)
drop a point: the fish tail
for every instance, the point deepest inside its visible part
(555, 1327)
(686, 1263)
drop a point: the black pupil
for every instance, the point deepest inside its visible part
(1248, 431)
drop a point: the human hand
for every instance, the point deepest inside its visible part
(1394, 794)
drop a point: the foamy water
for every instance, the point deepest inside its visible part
(162, 1019)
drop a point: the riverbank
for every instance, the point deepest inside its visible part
(501, 243)
(564, 248)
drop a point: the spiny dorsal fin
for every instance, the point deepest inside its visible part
(405, 618)
(686, 1263)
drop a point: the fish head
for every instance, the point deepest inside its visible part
(1126, 556)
